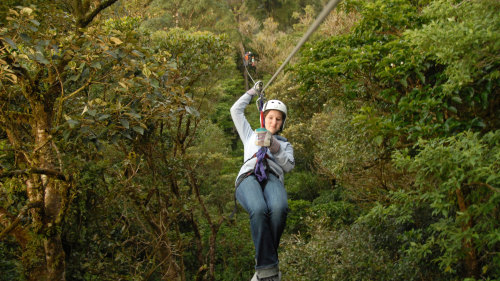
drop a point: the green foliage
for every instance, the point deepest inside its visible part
(236, 254)
(198, 15)
(330, 209)
(408, 72)
(299, 210)
(10, 266)
(232, 86)
(385, 19)
(198, 55)
(346, 62)
(269, 45)
(140, 104)
(449, 37)
(416, 74)
(280, 10)
(343, 254)
(397, 228)
(303, 185)
(96, 250)
(341, 146)
(334, 213)
(459, 180)
(125, 24)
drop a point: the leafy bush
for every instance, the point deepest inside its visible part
(236, 257)
(10, 267)
(395, 229)
(296, 220)
(335, 213)
(303, 185)
(459, 178)
(343, 254)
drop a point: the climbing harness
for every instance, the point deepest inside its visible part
(262, 134)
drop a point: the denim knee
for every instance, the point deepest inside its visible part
(280, 210)
(258, 211)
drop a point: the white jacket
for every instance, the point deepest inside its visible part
(280, 162)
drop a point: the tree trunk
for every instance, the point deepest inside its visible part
(52, 197)
(471, 263)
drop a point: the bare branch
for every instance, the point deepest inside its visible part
(48, 172)
(17, 220)
(89, 17)
(76, 91)
(490, 187)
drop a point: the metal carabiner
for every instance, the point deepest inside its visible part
(261, 97)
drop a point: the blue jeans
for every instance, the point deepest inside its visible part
(267, 206)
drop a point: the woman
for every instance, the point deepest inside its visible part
(264, 196)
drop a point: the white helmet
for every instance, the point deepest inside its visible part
(276, 105)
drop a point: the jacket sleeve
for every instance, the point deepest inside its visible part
(238, 115)
(284, 156)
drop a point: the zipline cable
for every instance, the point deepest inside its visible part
(248, 72)
(326, 10)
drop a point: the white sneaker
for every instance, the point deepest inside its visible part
(255, 278)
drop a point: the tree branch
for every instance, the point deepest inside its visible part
(76, 91)
(17, 220)
(87, 19)
(16, 67)
(48, 172)
(485, 185)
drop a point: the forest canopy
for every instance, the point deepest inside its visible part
(118, 155)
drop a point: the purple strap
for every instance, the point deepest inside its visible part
(260, 169)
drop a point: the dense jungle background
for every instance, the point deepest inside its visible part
(118, 155)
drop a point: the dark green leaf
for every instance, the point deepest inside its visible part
(137, 53)
(96, 65)
(139, 130)
(72, 123)
(404, 82)
(421, 76)
(10, 42)
(124, 123)
(104, 117)
(39, 57)
(25, 37)
(35, 22)
(91, 112)
(112, 53)
(74, 77)
(135, 115)
(192, 111)
(456, 99)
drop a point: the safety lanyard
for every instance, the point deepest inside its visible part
(261, 107)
